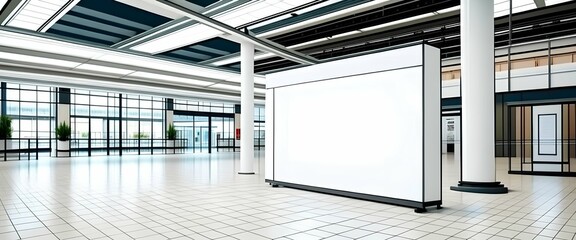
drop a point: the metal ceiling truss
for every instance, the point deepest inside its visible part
(176, 25)
(261, 44)
(444, 33)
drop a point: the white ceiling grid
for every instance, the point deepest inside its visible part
(234, 17)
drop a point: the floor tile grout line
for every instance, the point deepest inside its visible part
(9, 218)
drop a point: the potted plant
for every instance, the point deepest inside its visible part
(5, 131)
(171, 136)
(63, 133)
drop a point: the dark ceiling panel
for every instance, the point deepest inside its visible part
(202, 3)
(204, 50)
(221, 44)
(124, 11)
(104, 22)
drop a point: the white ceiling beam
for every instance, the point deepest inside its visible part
(180, 22)
(261, 44)
(51, 77)
(10, 10)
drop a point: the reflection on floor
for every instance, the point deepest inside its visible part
(200, 196)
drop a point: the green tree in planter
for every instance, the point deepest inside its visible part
(5, 127)
(63, 132)
(171, 132)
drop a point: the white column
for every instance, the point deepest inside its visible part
(477, 63)
(247, 108)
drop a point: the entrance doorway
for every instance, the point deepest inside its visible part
(205, 130)
(542, 139)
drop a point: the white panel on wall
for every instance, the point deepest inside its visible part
(269, 150)
(563, 75)
(451, 88)
(547, 134)
(547, 131)
(501, 81)
(529, 78)
(529, 82)
(315, 146)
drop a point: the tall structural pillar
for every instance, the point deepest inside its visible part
(247, 108)
(477, 84)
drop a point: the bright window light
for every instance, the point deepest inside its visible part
(161, 77)
(38, 60)
(104, 69)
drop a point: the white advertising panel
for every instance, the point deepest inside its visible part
(368, 125)
(340, 133)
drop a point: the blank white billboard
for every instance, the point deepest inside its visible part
(373, 131)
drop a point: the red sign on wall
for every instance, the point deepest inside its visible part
(237, 133)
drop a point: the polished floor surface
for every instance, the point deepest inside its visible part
(200, 196)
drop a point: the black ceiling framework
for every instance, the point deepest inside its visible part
(537, 24)
(374, 17)
(106, 22)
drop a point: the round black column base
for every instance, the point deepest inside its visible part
(480, 187)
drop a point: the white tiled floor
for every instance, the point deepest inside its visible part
(200, 196)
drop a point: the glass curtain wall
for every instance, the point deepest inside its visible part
(96, 119)
(107, 123)
(143, 124)
(204, 123)
(259, 127)
(223, 133)
(32, 109)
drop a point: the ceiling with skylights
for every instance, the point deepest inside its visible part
(287, 33)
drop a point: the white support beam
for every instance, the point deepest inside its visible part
(261, 44)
